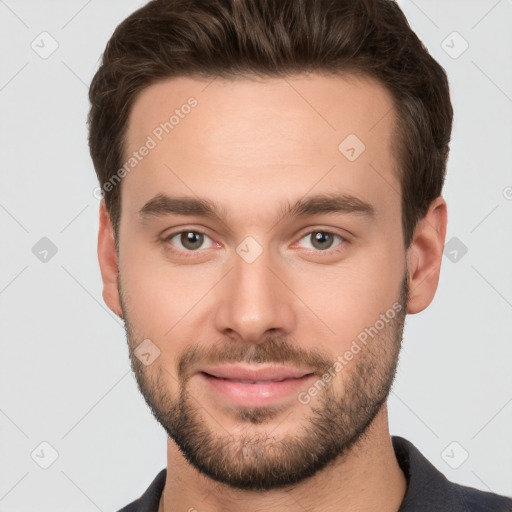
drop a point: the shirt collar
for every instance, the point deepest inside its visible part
(427, 488)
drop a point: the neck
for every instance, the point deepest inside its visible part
(366, 477)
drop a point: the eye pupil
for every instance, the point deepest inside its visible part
(320, 237)
(191, 240)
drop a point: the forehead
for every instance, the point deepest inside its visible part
(244, 139)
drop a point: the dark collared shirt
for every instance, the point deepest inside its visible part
(428, 490)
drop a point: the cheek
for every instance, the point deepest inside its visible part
(157, 302)
(351, 297)
(162, 299)
(157, 310)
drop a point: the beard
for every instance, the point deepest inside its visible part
(251, 458)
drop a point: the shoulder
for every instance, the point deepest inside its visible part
(150, 499)
(480, 501)
(428, 490)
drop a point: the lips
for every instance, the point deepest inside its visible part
(252, 375)
(250, 386)
(251, 381)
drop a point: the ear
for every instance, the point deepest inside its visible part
(107, 257)
(424, 256)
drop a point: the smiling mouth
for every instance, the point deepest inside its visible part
(254, 387)
(246, 381)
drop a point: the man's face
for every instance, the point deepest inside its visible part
(253, 288)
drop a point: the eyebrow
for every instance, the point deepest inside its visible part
(162, 205)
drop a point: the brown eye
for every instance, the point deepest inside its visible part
(191, 240)
(183, 242)
(322, 241)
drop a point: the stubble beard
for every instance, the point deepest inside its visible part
(255, 458)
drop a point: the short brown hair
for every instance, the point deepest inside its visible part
(277, 38)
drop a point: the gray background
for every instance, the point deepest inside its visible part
(64, 368)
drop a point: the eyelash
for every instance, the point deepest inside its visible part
(193, 254)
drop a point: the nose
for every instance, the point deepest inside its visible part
(254, 300)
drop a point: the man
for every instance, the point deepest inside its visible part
(272, 175)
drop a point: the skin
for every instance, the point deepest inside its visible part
(251, 145)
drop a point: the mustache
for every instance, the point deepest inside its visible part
(271, 351)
